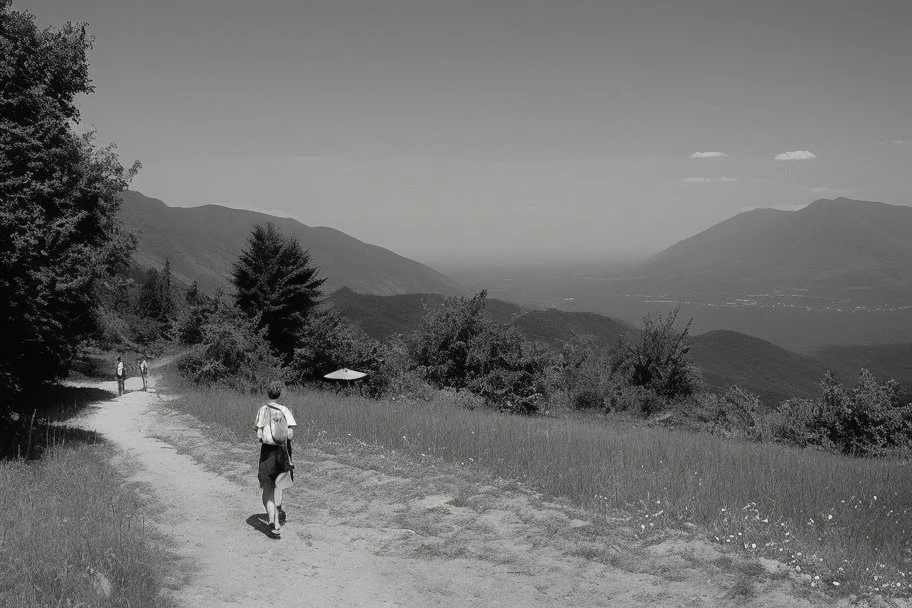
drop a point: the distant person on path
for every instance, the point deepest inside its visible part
(274, 428)
(121, 375)
(143, 371)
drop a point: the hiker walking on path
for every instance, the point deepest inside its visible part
(143, 371)
(121, 375)
(274, 427)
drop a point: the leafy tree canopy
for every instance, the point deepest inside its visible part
(277, 284)
(59, 232)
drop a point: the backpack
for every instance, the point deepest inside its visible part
(278, 425)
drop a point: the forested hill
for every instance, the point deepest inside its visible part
(203, 242)
(384, 316)
(725, 357)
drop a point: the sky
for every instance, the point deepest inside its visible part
(478, 131)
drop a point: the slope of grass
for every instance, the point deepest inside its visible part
(845, 521)
(72, 534)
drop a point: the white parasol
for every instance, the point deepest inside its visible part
(345, 374)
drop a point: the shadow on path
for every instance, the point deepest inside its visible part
(27, 425)
(257, 521)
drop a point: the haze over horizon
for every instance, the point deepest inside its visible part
(501, 129)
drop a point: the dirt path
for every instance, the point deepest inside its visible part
(364, 535)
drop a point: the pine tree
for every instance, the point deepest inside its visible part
(277, 285)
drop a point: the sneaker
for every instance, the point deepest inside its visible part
(276, 531)
(282, 516)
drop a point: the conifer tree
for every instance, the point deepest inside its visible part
(277, 285)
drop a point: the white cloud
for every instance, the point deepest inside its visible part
(709, 180)
(827, 191)
(902, 142)
(796, 155)
(708, 155)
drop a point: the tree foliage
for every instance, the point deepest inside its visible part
(156, 298)
(59, 232)
(330, 342)
(232, 352)
(657, 359)
(456, 346)
(277, 284)
(867, 419)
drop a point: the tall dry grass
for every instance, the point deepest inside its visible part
(71, 534)
(847, 522)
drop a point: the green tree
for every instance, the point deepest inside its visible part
(277, 285)
(441, 343)
(59, 198)
(657, 359)
(330, 342)
(232, 352)
(457, 346)
(156, 298)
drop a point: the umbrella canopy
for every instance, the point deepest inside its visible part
(345, 374)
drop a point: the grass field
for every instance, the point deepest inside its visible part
(844, 524)
(71, 534)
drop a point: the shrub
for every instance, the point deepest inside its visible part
(865, 420)
(736, 413)
(457, 347)
(657, 359)
(583, 374)
(233, 352)
(329, 342)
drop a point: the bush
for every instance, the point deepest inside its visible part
(233, 353)
(329, 342)
(658, 359)
(866, 420)
(736, 413)
(457, 347)
(583, 374)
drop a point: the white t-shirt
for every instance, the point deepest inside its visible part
(262, 420)
(120, 369)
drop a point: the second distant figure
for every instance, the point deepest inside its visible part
(143, 371)
(121, 375)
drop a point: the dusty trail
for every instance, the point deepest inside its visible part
(357, 536)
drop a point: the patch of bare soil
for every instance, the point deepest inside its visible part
(372, 528)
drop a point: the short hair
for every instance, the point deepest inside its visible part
(275, 390)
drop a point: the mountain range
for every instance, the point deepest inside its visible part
(841, 244)
(202, 243)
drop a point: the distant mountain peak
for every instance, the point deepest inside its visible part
(841, 242)
(203, 242)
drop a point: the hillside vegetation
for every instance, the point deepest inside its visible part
(837, 523)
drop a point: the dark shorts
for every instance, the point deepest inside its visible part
(273, 461)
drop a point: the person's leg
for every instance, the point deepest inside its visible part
(144, 382)
(269, 502)
(277, 499)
